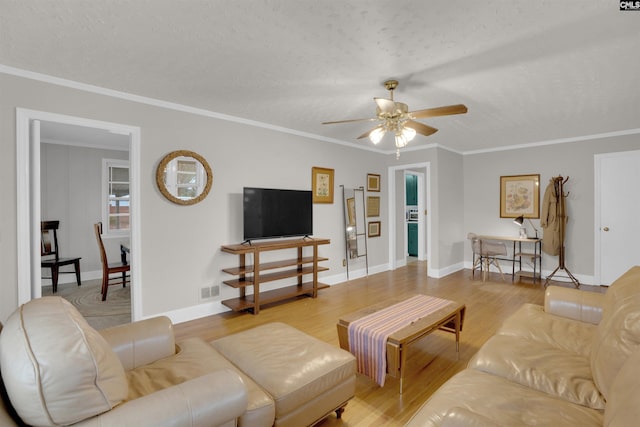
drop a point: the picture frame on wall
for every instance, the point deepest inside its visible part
(373, 206)
(322, 184)
(373, 229)
(520, 196)
(373, 182)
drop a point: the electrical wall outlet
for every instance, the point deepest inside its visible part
(208, 292)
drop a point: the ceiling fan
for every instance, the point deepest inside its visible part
(395, 117)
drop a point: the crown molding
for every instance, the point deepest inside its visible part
(5, 69)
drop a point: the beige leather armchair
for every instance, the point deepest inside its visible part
(59, 371)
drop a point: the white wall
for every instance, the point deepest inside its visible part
(181, 244)
(576, 160)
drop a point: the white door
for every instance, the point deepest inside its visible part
(617, 223)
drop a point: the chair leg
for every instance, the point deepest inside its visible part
(497, 264)
(77, 267)
(105, 285)
(54, 278)
(124, 279)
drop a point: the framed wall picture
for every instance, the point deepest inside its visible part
(374, 229)
(322, 185)
(373, 182)
(520, 196)
(373, 206)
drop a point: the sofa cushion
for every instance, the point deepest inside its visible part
(622, 407)
(193, 359)
(540, 366)
(56, 368)
(532, 322)
(503, 402)
(618, 334)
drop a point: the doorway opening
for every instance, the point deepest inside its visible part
(35, 152)
(409, 215)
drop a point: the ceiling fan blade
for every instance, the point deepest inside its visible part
(439, 111)
(366, 134)
(385, 105)
(421, 128)
(349, 121)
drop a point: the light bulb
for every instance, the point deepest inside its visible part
(401, 140)
(376, 135)
(408, 133)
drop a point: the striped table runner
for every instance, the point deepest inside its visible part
(368, 335)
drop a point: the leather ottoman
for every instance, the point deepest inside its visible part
(307, 378)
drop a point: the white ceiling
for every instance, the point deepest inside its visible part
(529, 71)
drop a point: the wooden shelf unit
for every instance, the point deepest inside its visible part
(251, 274)
(534, 257)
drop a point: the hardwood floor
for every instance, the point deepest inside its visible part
(431, 361)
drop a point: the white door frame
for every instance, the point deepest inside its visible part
(28, 206)
(423, 204)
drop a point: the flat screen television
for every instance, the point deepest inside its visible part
(270, 213)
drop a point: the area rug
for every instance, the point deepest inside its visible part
(116, 310)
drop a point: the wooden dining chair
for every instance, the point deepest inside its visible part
(108, 269)
(50, 255)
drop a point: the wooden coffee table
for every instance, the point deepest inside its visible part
(449, 318)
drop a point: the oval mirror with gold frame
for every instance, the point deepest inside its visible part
(184, 177)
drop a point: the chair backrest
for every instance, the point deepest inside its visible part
(475, 242)
(48, 384)
(49, 238)
(103, 254)
(490, 248)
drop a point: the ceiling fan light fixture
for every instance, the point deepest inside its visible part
(376, 135)
(408, 133)
(401, 140)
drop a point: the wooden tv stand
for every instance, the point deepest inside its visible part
(252, 275)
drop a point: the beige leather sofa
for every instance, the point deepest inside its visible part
(573, 362)
(57, 371)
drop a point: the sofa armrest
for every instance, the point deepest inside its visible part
(143, 342)
(574, 304)
(211, 400)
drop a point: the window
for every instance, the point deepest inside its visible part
(115, 183)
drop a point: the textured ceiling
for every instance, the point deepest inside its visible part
(529, 71)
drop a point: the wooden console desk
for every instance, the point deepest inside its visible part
(251, 275)
(534, 244)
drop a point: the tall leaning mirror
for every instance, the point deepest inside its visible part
(184, 177)
(355, 231)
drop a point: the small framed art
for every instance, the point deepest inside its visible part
(373, 206)
(374, 229)
(322, 185)
(373, 182)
